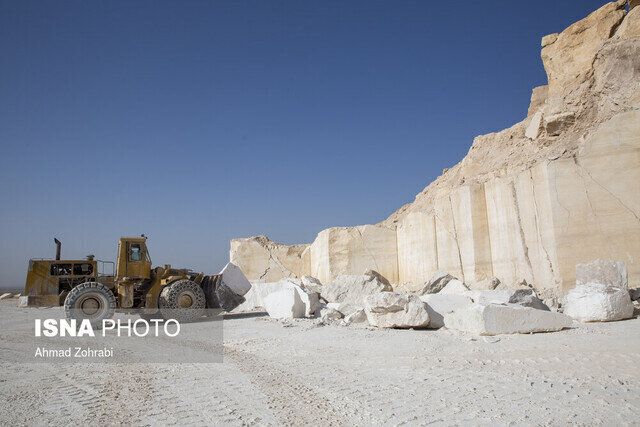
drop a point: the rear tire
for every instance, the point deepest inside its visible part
(92, 301)
(182, 300)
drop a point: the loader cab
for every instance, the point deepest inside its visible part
(133, 258)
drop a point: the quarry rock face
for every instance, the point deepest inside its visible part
(630, 26)
(538, 96)
(495, 319)
(352, 250)
(267, 261)
(530, 202)
(395, 310)
(597, 302)
(581, 39)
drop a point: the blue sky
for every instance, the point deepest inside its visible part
(196, 122)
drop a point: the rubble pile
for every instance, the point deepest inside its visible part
(368, 299)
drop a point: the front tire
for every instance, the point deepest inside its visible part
(92, 301)
(182, 300)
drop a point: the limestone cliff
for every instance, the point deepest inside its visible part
(530, 202)
(263, 260)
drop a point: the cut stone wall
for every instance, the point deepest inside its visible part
(596, 202)
(530, 202)
(417, 251)
(353, 250)
(262, 260)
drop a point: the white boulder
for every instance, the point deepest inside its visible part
(285, 304)
(494, 319)
(344, 307)
(255, 298)
(358, 316)
(597, 302)
(395, 310)
(311, 283)
(235, 279)
(610, 273)
(454, 286)
(438, 305)
(438, 281)
(353, 289)
(310, 299)
(328, 314)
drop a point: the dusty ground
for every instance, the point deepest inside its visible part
(275, 373)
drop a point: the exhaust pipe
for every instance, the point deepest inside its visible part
(58, 245)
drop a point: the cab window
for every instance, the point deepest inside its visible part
(61, 269)
(135, 252)
(84, 269)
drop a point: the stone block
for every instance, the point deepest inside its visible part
(394, 310)
(439, 305)
(234, 279)
(495, 319)
(597, 302)
(285, 304)
(353, 289)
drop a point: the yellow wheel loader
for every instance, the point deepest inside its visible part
(88, 292)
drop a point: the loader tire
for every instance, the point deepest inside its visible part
(182, 300)
(90, 300)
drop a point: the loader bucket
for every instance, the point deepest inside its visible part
(218, 295)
